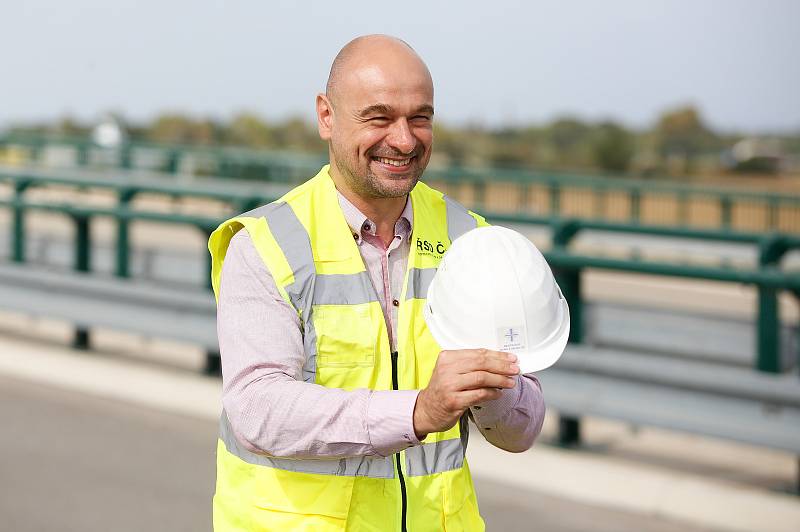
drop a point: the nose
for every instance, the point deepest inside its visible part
(401, 138)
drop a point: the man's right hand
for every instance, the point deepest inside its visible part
(462, 379)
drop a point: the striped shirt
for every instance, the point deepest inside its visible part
(271, 409)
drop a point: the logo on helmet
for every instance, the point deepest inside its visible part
(511, 338)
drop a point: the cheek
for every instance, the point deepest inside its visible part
(369, 140)
(425, 136)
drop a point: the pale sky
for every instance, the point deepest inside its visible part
(493, 62)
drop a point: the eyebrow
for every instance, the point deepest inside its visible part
(381, 108)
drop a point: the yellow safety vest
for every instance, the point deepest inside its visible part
(307, 246)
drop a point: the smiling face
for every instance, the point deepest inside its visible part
(378, 118)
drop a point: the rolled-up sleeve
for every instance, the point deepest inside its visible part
(271, 410)
(514, 420)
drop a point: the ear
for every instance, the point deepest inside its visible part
(324, 116)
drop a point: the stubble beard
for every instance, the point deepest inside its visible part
(370, 185)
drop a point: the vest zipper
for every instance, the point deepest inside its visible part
(403, 495)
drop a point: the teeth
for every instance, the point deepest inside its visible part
(394, 162)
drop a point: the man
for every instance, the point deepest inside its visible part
(340, 411)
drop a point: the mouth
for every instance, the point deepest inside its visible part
(394, 164)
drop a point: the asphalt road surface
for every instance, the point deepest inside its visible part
(74, 462)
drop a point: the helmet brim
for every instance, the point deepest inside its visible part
(548, 352)
(530, 360)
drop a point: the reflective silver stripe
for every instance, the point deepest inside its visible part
(295, 244)
(293, 240)
(358, 466)
(459, 221)
(434, 457)
(335, 289)
(344, 289)
(463, 426)
(310, 348)
(419, 279)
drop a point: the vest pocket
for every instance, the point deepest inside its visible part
(268, 499)
(346, 335)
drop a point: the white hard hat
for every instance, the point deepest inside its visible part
(494, 290)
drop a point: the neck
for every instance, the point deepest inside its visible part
(384, 212)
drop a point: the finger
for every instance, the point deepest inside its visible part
(469, 398)
(467, 360)
(483, 379)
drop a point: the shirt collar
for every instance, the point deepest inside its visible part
(358, 221)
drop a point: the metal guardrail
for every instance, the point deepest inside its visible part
(553, 194)
(127, 186)
(768, 278)
(674, 395)
(696, 396)
(91, 301)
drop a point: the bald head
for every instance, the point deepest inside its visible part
(369, 50)
(377, 116)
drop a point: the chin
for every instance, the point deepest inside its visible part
(394, 187)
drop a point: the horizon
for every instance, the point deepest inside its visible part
(735, 61)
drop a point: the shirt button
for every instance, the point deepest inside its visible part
(395, 302)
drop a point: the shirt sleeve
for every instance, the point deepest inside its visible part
(513, 421)
(271, 410)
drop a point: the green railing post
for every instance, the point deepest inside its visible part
(726, 212)
(213, 363)
(768, 331)
(563, 231)
(570, 283)
(555, 199)
(636, 205)
(18, 222)
(83, 256)
(123, 233)
(173, 161)
(771, 250)
(125, 156)
(82, 154)
(569, 280)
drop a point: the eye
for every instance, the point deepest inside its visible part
(378, 119)
(421, 119)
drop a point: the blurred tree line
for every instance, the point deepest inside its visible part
(678, 143)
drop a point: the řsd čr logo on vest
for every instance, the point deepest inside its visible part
(425, 247)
